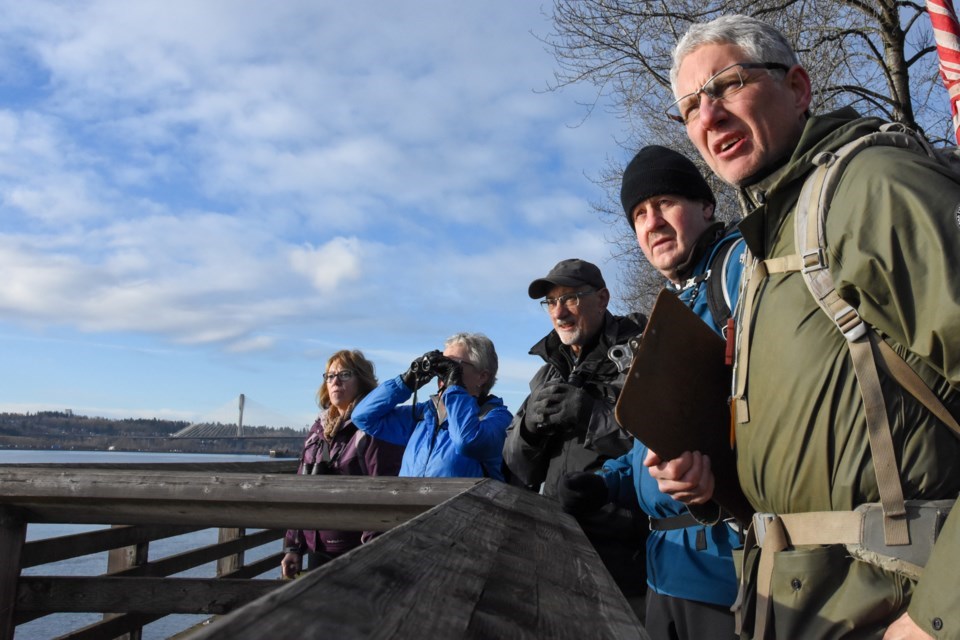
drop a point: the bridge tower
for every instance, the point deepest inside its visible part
(240, 420)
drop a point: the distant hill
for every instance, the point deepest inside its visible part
(64, 430)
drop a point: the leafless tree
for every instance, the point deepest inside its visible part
(878, 56)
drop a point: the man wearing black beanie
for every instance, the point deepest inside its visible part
(690, 574)
(671, 208)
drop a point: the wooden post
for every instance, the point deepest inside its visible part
(229, 564)
(120, 560)
(13, 533)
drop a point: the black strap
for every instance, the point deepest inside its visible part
(675, 522)
(716, 295)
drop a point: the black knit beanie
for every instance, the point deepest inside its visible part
(659, 171)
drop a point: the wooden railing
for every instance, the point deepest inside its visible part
(490, 561)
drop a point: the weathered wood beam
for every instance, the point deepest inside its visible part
(13, 532)
(258, 567)
(195, 557)
(259, 466)
(112, 628)
(190, 559)
(59, 548)
(121, 559)
(223, 500)
(494, 562)
(229, 564)
(44, 594)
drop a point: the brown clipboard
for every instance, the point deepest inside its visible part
(675, 398)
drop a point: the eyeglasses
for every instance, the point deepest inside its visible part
(344, 375)
(463, 362)
(570, 301)
(721, 85)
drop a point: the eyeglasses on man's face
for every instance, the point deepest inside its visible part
(569, 301)
(723, 84)
(344, 375)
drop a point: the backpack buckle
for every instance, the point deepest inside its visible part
(850, 323)
(813, 260)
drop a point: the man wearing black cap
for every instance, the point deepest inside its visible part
(567, 422)
(690, 573)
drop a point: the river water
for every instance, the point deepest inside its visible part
(56, 625)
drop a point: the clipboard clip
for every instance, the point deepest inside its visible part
(621, 355)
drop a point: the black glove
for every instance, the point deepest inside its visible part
(450, 372)
(557, 408)
(422, 370)
(582, 492)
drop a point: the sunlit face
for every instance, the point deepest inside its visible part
(750, 131)
(667, 230)
(577, 324)
(341, 392)
(473, 378)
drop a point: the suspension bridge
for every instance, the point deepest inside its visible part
(240, 418)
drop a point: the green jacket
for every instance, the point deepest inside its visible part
(893, 241)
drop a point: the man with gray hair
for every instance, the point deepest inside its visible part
(848, 463)
(567, 422)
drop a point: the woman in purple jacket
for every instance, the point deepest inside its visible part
(336, 446)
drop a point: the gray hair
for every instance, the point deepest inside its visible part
(482, 354)
(760, 42)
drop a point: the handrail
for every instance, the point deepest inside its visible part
(159, 500)
(493, 562)
(467, 558)
(98, 496)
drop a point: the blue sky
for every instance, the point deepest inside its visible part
(202, 199)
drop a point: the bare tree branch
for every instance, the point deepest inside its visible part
(877, 55)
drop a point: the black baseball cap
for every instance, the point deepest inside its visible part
(573, 272)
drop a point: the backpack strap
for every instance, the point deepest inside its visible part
(862, 340)
(868, 351)
(718, 292)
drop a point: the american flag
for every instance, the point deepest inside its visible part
(946, 32)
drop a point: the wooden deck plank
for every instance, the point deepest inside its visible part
(494, 562)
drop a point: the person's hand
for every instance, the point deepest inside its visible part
(582, 492)
(904, 628)
(556, 408)
(687, 478)
(450, 372)
(421, 370)
(290, 565)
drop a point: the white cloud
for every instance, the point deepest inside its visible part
(244, 176)
(330, 266)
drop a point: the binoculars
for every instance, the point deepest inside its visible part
(422, 365)
(319, 468)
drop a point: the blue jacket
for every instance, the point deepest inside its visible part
(675, 566)
(463, 446)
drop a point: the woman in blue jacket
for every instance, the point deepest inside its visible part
(457, 432)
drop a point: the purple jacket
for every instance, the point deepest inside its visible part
(379, 458)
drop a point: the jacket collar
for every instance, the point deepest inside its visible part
(701, 251)
(615, 330)
(761, 201)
